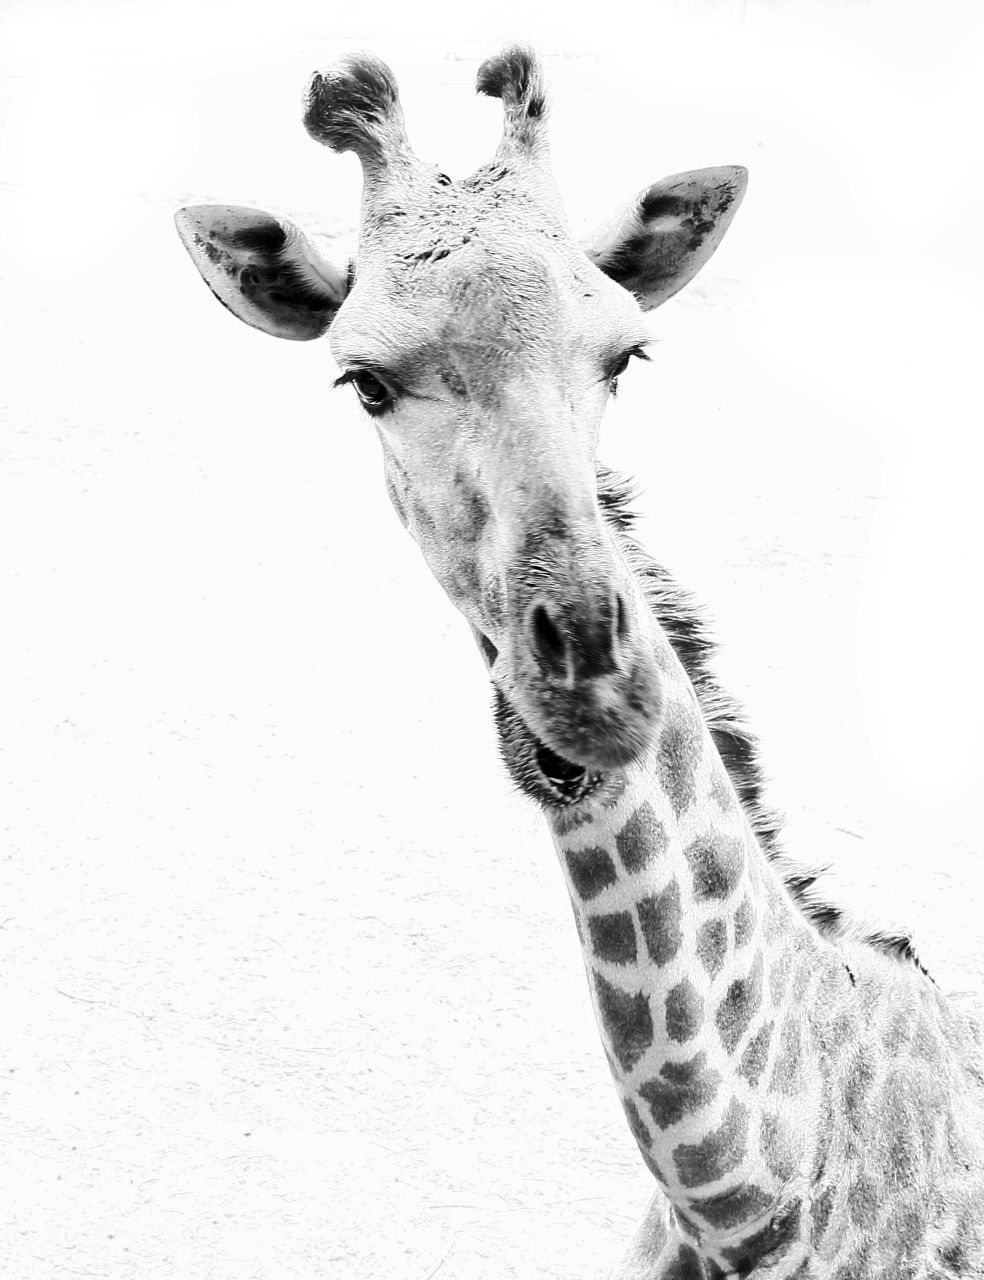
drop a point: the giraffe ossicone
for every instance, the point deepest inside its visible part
(807, 1101)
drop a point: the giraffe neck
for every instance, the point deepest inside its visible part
(697, 962)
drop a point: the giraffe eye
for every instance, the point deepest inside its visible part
(373, 393)
(376, 396)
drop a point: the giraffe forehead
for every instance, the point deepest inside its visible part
(506, 293)
(421, 223)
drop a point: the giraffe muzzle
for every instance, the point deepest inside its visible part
(587, 686)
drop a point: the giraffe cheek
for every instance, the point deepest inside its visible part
(463, 585)
(494, 602)
(399, 505)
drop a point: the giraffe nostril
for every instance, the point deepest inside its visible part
(548, 641)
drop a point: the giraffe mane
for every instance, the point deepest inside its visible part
(686, 628)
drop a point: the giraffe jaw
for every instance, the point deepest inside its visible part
(569, 782)
(552, 779)
(542, 773)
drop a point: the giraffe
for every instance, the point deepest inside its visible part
(805, 1099)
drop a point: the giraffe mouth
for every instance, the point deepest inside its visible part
(537, 769)
(569, 782)
(540, 770)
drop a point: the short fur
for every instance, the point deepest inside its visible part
(679, 616)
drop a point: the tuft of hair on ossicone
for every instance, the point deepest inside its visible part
(515, 76)
(355, 106)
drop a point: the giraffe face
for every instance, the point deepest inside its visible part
(486, 373)
(483, 341)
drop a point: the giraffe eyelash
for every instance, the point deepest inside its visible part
(373, 404)
(619, 366)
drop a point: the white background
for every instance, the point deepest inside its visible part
(290, 988)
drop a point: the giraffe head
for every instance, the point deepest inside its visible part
(484, 341)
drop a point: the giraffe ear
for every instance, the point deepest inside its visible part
(264, 269)
(662, 238)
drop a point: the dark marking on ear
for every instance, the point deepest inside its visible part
(698, 226)
(627, 1021)
(655, 204)
(721, 1151)
(636, 245)
(214, 254)
(624, 264)
(266, 237)
(282, 290)
(535, 107)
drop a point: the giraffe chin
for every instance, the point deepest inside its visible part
(540, 772)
